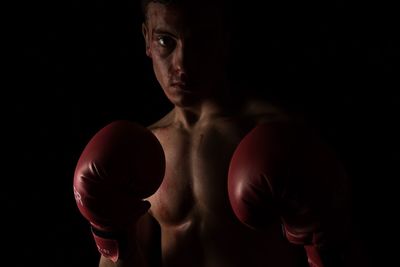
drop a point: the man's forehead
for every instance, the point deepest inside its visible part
(181, 17)
(161, 14)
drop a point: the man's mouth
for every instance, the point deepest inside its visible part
(179, 84)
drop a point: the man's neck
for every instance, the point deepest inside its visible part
(203, 112)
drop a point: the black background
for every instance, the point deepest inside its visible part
(77, 65)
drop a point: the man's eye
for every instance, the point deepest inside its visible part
(165, 41)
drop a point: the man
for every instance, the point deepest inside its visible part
(193, 219)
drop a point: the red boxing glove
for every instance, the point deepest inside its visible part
(279, 172)
(120, 166)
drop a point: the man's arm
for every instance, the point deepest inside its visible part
(285, 171)
(143, 247)
(119, 168)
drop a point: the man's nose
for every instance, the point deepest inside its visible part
(179, 59)
(182, 59)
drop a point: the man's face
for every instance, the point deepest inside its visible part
(187, 47)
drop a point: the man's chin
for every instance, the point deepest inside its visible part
(184, 100)
(180, 96)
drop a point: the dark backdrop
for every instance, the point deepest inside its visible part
(78, 65)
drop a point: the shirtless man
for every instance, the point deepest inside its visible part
(192, 221)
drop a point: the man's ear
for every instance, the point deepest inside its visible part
(146, 36)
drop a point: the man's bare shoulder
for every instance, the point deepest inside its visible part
(162, 123)
(261, 110)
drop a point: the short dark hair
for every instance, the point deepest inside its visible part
(223, 5)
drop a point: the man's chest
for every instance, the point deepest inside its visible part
(195, 181)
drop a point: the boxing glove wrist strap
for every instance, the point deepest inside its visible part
(110, 245)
